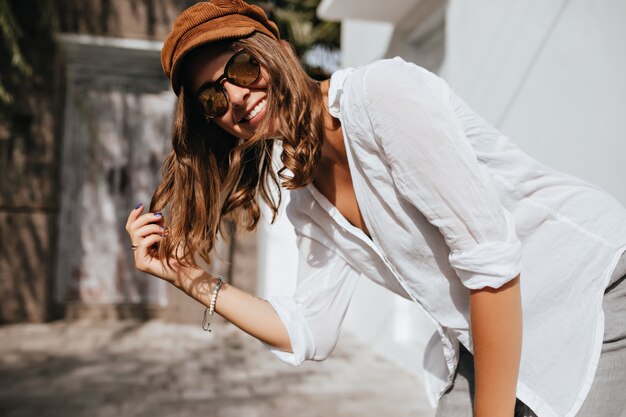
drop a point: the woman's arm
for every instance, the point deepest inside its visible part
(253, 315)
(295, 328)
(496, 325)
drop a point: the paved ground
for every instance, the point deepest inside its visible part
(71, 369)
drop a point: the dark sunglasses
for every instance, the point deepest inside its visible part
(241, 70)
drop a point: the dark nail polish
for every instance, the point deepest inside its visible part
(158, 214)
(138, 205)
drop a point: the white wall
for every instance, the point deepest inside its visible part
(550, 75)
(364, 41)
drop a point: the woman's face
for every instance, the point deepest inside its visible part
(207, 65)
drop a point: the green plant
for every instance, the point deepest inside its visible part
(298, 22)
(37, 18)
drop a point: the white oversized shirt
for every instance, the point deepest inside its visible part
(452, 204)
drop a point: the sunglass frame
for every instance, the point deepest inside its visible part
(219, 88)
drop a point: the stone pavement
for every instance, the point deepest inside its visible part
(130, 368)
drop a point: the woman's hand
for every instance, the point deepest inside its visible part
(250, 313)
(146, 230)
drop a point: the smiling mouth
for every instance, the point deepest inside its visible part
(255, 111)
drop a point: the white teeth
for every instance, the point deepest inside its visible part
(256, 110)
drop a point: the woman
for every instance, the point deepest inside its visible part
(395, 178)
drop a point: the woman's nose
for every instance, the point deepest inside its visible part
(236, 95)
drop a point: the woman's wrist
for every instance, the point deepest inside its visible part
(199, 285)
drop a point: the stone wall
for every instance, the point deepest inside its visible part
(29, 129)
(83, 147)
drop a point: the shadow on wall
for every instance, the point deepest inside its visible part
(122, 18)
(29, 128)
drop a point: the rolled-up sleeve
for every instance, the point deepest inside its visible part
(313, 315)
(435, 168)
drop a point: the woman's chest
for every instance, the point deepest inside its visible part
(403, 242)
(335, 183)
(334, 180)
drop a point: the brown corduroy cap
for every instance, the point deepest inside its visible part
(207, 22)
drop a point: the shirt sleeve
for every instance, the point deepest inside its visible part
(313, 315)
(435, 168)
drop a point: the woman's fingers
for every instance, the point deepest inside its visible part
(142, 247)
(142, 256)
(145, 230)
(139, 234)
(134, 214)
(144, 219)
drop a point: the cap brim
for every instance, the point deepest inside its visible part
(220, 29)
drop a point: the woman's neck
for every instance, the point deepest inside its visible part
(333, 147)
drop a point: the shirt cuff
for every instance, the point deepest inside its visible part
(490, 264)
(302, 343)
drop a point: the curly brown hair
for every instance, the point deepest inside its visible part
(210, 175)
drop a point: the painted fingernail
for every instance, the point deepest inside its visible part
(158, 214)
(138, 205)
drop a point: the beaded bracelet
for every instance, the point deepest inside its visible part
(211, 308)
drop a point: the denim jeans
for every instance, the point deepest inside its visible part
(607, 397)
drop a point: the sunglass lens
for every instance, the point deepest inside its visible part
(243, 69)
(214, 102)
